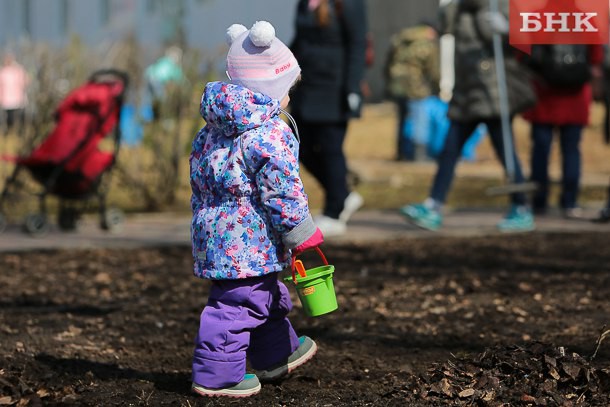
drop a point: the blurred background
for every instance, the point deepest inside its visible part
(180, 44)
(105, 27)
(60, 43)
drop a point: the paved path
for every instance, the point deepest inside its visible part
(365, 226)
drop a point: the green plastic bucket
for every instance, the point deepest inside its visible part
(316, 290)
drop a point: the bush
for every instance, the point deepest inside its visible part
(150, 175)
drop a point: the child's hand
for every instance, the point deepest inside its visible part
(315, 240)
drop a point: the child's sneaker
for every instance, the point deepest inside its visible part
(422, 216)
(307, 348)
(249, 386)
(518, 219)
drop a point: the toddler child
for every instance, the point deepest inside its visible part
(250, 214)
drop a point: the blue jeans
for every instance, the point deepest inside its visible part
(569, 139)
(458, 135)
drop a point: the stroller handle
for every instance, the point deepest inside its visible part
(99, 74)
(97, 77)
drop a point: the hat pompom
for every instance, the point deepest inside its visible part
(262, 34)
(235, 31)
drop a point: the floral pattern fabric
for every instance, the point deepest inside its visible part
(247, 195)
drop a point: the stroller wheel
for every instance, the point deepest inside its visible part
(2, 222)
(67, 219)
(112, 219)
(36, 224)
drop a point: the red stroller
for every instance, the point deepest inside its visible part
(68, 163)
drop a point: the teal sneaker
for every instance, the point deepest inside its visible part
(422, 216)
(306, 350)
(518, 219)
(249, 386)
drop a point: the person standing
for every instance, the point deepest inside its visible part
(412, 78)
(14, 80)
(564, 93)
(160, 75)
(476, 100)
(330, 45)
(250, 216)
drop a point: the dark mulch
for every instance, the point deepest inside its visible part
(487, 321)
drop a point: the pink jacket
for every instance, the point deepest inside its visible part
(13, 82)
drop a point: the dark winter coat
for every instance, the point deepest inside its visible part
(475, 94)
(332, 60)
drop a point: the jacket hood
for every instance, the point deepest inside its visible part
(233, 109)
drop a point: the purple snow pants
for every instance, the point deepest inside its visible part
(243, 318)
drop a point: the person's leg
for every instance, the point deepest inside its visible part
(519, 217)
(309, 148)
(21, 122)
(542, 138)
(494, 127)
(456, 137)
(10, 119)
(3, 125)
(404, 144)
(469, 152)
(275, 340)
(334, 164)
(428, 215)
(439, 127)
(234, 309)
(570, 136)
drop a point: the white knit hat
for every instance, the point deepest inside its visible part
(259, 61)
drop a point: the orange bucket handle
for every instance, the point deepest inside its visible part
(298, 265)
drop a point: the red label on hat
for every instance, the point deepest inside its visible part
(557, 22)
(282, 68)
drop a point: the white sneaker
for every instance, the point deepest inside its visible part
(329, 226)
(352, 203)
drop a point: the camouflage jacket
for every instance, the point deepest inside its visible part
(412, 68)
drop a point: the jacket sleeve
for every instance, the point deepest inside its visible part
(281, 191)
(355, 26)
(447, 15)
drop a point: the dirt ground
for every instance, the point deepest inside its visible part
(488, 321)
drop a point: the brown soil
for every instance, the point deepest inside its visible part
(488, 321)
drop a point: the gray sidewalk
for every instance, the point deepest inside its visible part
(365, 226)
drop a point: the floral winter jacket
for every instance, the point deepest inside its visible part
(249, 205)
